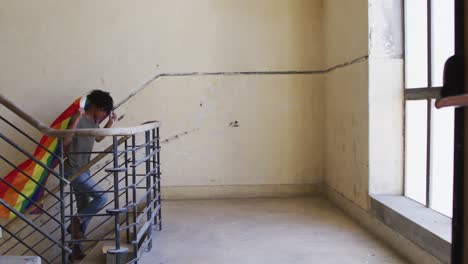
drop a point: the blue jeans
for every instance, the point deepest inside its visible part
(87, 203)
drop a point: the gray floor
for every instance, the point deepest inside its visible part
(292, 230)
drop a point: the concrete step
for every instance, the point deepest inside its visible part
(20, 259)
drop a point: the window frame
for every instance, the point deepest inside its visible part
(428, 93)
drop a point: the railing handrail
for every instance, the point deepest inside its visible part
(96, 132)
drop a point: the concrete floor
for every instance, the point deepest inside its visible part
(289, 230)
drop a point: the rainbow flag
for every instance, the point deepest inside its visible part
(22, 183)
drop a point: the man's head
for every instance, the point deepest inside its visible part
(100, 104)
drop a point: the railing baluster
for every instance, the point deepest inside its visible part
(154, 178)
(127, 232)
(117, 252)
(134, 193)
(158, 164)
(148, 189)
(62, 199)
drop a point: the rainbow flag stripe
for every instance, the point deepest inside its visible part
(22, 183)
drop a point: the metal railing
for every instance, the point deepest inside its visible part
(133, 178)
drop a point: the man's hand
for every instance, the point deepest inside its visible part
(110, 122)
(112, 117)
(80, 113)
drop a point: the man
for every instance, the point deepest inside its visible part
(90, 198)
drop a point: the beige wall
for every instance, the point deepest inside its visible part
(55, 51)
(344, 30)
(364, 100)
(345, 27)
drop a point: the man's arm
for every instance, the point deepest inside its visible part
(73, 125)
(110, 122)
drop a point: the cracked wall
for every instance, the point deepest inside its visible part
(53, 52)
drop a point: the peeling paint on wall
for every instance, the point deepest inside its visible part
(385, 29)
(233, 124)
(178, 136)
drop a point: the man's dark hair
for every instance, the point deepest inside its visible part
(453, 76)
(101, 100)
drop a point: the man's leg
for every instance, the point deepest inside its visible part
(82, 201)
(89, 189)
(75, 227)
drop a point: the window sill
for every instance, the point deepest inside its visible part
(425, 227)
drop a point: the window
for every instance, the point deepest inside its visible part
(429, 132)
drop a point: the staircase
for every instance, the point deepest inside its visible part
(129, 169)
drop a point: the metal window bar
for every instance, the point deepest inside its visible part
(427, 93)
(429, 108)
(422, 93)
(428, 153)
